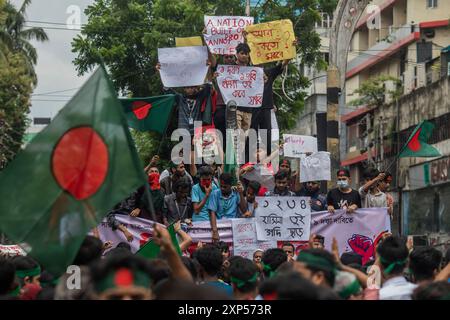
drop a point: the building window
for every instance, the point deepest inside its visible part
(432, 3)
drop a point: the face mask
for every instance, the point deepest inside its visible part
(342, 184)
(153, 180)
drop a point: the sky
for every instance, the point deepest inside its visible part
(54, 68)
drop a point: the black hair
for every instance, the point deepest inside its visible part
(222, 246)
(227, 178)
(210, 259)
(172, 289)
(280, 175)
(90, 250)
(7, 275)
(328, 274)
(320, 238)
(160, 270)
(118, 251)
(180, 184)
(24, 263)
(204, 171)
(370, 173)
(447, 256)
(437, 290)
(192, 265)
(293, 286)
(244, 270)
(273, 258)
(124, 245)
(348, 258)
(242, 47)
(255, 185)
(288, 244)
(393, 250)
(423, 261)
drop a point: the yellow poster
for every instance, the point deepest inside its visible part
(188, 42)
(271, 41)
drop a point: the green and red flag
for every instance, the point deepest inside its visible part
(149, 114)
(150, 250)
(417, 145)
(70, 176)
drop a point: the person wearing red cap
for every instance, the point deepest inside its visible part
(343, 197)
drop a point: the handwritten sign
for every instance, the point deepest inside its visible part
(224, 33)
(271, 41)
(316, 167)
(244, 238)
(188, 42)
(183, 66)
(11, 250)
(283, 218)
(295, 145)
(245, 85)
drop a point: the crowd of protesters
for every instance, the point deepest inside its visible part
(183, 194)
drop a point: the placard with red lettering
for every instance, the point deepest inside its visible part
(224, 33)
(245, 85)
(271, 41)
(244, 238)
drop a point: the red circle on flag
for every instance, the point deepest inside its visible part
(80, 162)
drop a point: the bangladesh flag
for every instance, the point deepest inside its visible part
(149, 114)
(150, 250)
(417, 146)
(70, 176)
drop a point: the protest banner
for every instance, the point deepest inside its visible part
(358, 232)
(316, 167)
(141, 229)
(244, 238)
(188, 42)
(244, 85)
(295, 146)
(224, 33)
(283, 218)
(11, 250)
(183, 66)
(271, 41)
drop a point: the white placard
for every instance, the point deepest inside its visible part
(283, 218)
(316, 167)
(244, 238)
(224, 33)
(183, 66)
(11, 250)
(245, 85)
(295, 145)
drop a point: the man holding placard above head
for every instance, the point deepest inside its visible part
(343, 197)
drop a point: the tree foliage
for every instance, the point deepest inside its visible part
(125, 35)
(372, 92)
(17, 77)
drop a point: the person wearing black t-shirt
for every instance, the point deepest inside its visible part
(343, 197)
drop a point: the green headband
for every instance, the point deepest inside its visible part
(138, 278)
(28, 273)
(15, 292)
(352, 288)
(314, 261)
(392, 265)
(268, 269)
(240, 283)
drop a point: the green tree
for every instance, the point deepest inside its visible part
(16, 36)
(372, 92)
(17, 77)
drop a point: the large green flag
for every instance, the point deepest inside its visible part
(70, 176)
(149, 114)
(150, 250)
(417, 145)
(230, 165)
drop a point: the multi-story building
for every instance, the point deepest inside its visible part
(407, 40)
